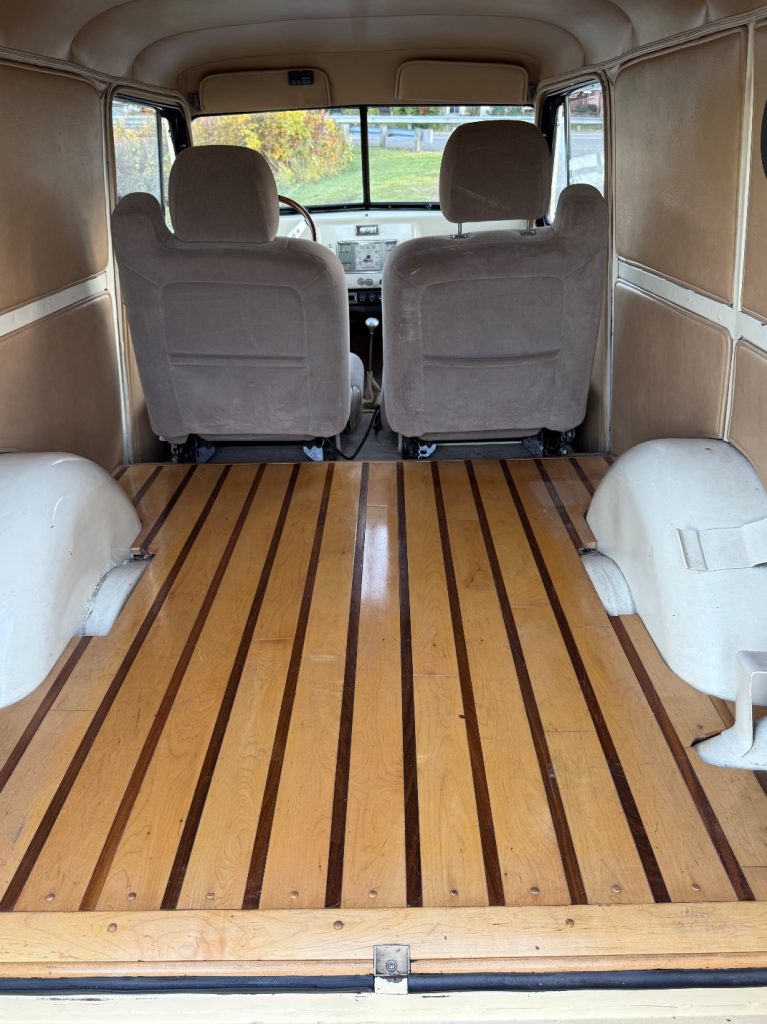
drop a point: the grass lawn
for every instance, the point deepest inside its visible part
(395, 176)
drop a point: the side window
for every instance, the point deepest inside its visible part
(144, 151)
(578, 149)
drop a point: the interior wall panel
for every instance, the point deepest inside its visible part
(755, 280)
(748, 420)
(59, 386)
(678, 122)
(670, 371)
(53, 229)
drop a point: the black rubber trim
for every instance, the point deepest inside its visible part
(764, 139)
(587, 980)
(418, 984)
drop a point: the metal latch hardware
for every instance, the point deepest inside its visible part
(391, 967)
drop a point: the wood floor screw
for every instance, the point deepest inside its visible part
(112, 928)
(50, 897)
(534, 890)
(131, 896)
(617, 890)
(338, 925)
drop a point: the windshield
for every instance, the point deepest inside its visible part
(317, 155)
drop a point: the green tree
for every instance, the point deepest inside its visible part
(300, 145)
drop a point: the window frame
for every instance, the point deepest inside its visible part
(367, 203)
(172, 115)
(547, 122)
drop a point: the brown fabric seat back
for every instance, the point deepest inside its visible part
(494, 333)
(238, 334)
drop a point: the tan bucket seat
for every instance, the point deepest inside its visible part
(493, 333)
(238, 334)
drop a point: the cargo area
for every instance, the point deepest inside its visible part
(358, 704)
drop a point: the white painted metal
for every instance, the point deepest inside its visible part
(691, 1006)
(609, 583)
(700, 621)
(110, 595)
(23, 316)
(744, 744)
(741, 547)
(64, 523)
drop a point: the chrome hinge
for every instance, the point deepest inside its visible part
(391, 967)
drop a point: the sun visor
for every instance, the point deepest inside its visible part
(459, 81)
(236, 92)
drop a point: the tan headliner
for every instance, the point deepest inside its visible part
(359, 43)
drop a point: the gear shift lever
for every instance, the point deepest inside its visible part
(371, 397)
(372, 324)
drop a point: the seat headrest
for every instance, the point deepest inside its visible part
(223, 194)
(495, 170)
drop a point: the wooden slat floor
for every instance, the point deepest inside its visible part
(358, 703)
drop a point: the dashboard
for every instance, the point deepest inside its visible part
(363, 239)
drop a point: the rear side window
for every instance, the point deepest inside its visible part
(578, 148)
(143, 148)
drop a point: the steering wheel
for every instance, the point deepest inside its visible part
(304, 213)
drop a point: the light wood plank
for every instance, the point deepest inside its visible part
(702, 931)
(573, 496)
(527, 844)
(451, 851)
(64, 867)
(134, 478)
(144, 857)
(296, 873)
(689, 863)
(374, 859)
(218, 866)
(737, 798)
(30, 789)
(591, 802)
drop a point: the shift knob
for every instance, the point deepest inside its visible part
(372, 323)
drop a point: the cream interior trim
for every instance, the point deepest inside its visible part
(737, 323)
(24, 316)
(463, 81)
(695, 1006)
(269, 89)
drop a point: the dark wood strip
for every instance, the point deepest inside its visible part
(609, 459)
(343, 759)
(146, 485)
(66, 671)
(493, 874)
(255, 881)
(45, 706)
(713, 827)
(413, 874)
(705, 810)
(40, 837)
(194, 815)
(631, 811)
(572, 870)
(582, 477)
(119, 472)
(572, 533)
(160, 521)
(106, 857)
